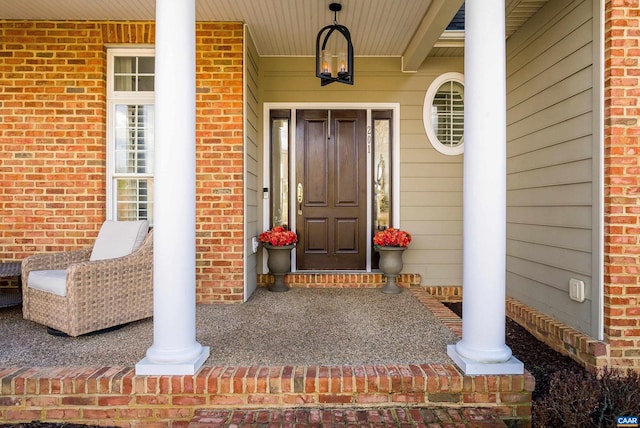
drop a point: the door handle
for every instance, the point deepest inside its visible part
(300, 194)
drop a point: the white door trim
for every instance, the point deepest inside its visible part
(266, 155)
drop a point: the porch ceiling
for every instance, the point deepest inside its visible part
(289, 27)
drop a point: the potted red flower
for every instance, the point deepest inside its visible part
(390, 244)
(279, 242)
(392, 237)
(278, 236)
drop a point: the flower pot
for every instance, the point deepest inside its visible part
(391, 265)
(279, 263)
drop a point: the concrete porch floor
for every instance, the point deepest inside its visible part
(413, 375)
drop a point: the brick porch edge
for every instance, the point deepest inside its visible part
(585, 350)
(591, 353)
(116, 396)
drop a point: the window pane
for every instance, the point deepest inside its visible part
(146, 65)
(134, 199)
(447, 113)
(382, 136)
(145, 83)
(382, 176)
(134, 74)
(125, 65)
(280, 172)
(134, 127)
(124, 83)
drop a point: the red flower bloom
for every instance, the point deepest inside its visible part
(278, 237)
(392, 237)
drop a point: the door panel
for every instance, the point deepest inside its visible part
(346, 235)
(331, 168)
(345, 174)
(316, 233)
(316, 163)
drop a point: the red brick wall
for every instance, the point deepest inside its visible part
(53, 141)
(622, 185)
(219, 162)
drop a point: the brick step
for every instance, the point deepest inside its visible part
(340, 280)
(340, 417)
(353, 387)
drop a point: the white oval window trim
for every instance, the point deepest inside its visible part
(426, 113)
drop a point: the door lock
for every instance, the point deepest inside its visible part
(300, 194)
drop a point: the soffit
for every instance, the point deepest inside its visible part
(280, 27)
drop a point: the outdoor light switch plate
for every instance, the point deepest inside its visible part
(254, 244)
(576, 290)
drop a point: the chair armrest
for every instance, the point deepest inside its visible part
(47, 261)
(53, 261)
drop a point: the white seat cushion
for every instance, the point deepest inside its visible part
(119, 238)
(52, 281)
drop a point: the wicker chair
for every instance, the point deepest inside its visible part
(99, 293)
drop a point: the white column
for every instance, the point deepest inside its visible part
(175, 350)
(482, 349)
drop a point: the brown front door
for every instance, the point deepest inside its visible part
(331, 213)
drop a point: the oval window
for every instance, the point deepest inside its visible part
(443, 113)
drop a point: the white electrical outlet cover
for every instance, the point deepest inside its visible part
(576, 290)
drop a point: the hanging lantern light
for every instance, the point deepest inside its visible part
(334, 66)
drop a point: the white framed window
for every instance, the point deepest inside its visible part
(443, 113)
(130, 133)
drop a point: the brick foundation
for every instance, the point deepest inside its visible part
(591, 353)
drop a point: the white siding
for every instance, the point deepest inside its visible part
(430, 182)
(552, 158)
(251, 126)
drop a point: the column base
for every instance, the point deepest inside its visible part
(471, 367)
(145, 367)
